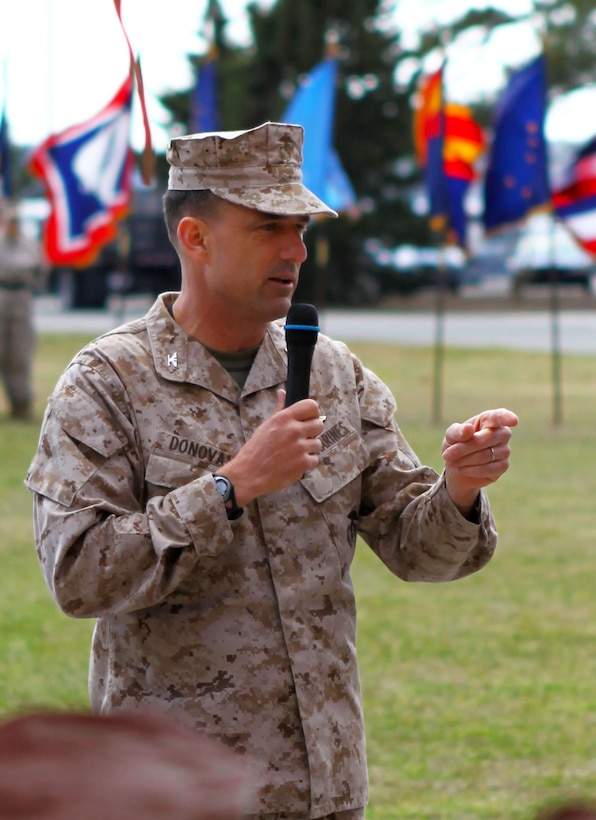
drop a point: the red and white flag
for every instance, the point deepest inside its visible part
(574, 201)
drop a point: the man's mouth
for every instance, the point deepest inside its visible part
(283, 280)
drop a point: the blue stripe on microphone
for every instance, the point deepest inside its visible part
(302, 327)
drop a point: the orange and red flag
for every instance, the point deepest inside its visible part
(448, 142)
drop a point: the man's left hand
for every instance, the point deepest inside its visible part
(476, 453)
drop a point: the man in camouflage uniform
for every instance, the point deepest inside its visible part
(229, 602)
(21, 272)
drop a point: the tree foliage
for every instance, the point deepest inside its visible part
(372, 119)
(373, 113)
(569, 33)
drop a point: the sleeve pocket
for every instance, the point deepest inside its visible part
(86, 422)
(76, 439)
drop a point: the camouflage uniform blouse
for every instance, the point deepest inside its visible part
(245, 629)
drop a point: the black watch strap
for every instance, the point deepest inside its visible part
(226, 489)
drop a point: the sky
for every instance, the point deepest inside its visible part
(63, 60)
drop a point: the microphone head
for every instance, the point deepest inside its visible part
(302, 324)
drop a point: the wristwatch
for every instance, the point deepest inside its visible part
(226, 489)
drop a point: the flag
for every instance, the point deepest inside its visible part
(464, 142)
(86, 172)
(147, 162)
(516, 180)
(429, 136)
(204, 111)
(5, 167)
(574, 201)
(312, 107)
(448, 142)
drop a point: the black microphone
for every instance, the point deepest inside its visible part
(302, 329)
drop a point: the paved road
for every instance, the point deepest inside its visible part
(534, 331)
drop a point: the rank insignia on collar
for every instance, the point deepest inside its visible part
(172, 360)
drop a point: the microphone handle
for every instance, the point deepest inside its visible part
(299, 363)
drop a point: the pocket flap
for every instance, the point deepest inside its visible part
(85, 421)
(340, 464)
(171, 472)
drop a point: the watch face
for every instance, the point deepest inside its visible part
(223, 485)
(226, 490)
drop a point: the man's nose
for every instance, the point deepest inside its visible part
(295, 248)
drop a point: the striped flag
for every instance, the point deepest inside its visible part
(86, 172)
(574, 201)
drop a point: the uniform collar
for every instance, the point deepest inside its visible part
(180, 358)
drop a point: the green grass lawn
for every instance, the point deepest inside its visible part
(480, 696)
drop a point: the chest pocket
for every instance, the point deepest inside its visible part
(170, 473)
(343, 459)
(178, 459)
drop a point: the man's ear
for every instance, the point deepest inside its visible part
(191, 235)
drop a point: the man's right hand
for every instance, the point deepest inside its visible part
(280, 451)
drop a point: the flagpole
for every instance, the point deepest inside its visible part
(440, 241)
(555, 329)
(556, 358)
(521, 155)
(50, 70)
(439, 346)
(321, 268)
(5, 181)
(556, 362)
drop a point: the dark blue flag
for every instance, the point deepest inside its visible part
(516, 180)
(5, 170)
(204, 113)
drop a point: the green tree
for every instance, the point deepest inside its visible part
(566, 28)
(373, 113)
(372, 122)
(233, 63)
(569, 35)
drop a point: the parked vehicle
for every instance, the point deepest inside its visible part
(407, 269)
(546, 253)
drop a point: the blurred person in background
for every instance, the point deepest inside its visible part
(21, 274)
(60, 766)
(572, 810)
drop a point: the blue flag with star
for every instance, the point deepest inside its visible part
(516, 180)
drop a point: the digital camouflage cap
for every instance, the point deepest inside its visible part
(260, 168)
